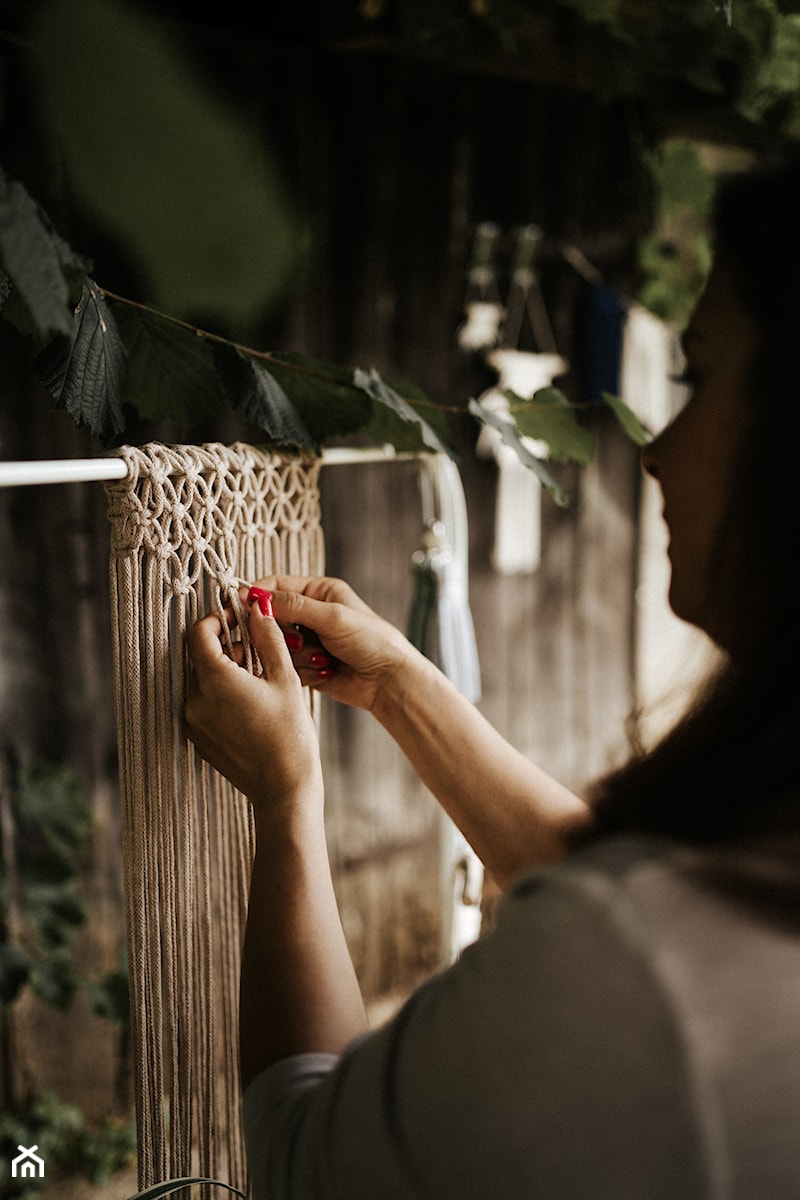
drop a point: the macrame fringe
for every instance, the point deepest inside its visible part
(189, 524)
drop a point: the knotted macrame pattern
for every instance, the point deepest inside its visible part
(189, 525)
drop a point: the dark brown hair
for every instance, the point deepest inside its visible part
(730, 766)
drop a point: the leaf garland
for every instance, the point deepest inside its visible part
(507, 427)
(84, 370)
(549, 417)
(170, 374)
(36, 260)
(629, 422)
(373, 385)
(107, 353)
(257, 396)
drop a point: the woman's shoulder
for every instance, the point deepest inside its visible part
(692, 915)
(615, 868)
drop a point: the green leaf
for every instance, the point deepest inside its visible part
(15, 970)
(630, 423)
(371, 383)
(682, 179)
(257, 396)
(56, 912)
(170, 373)
(54, 980)
(549, 417)
(173, 1185)
(51, 803)
(30, 254)
(161, 161)
(780, 75)
(510, 434)
(325, 397)
(110, 996)
(83, 371)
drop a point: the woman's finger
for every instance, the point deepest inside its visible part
(204, 642)
(266, 634)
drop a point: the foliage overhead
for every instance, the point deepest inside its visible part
(192, 195)
(675, 257)
(181, 179)
(101, 355)
(742, 53)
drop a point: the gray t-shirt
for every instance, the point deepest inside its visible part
(629, 1031)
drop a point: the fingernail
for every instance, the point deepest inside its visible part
(320, 660)
(326, 674)
(263, 599)
(294, 641)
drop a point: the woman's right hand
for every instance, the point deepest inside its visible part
(338, 644)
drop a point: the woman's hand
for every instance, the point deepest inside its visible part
(257, 731)
(337, 643)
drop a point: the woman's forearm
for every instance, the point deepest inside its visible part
(511, 812)
(298, 988)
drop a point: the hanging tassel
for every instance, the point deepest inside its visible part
(440, 623)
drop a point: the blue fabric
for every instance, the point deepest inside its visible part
(604, 321)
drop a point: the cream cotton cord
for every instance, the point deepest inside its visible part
(189, 524)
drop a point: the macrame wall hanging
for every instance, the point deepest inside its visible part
(189, 524)
(524, 365)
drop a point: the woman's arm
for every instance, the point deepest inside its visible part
(512, 813)
(298, 988)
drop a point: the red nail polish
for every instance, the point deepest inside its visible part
(263, 599)
(320, 660)
(294, 641)
(326, 674)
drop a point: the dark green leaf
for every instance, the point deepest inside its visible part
(84, 370)
(56, 912)
(30, 254)
(15, 969)
(110, 996)
(252, 392)
(55, 980)
(549, 417)
(507, 429)
(630, 423)
(371, 383)
(171, 373)
(781, 71)
(325, 397)
(50, 802)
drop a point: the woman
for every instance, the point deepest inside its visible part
(631, 1028)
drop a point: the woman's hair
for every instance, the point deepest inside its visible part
(730, 766)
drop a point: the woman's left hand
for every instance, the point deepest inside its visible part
(257, 731)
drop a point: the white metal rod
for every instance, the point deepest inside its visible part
(67, 470)
(346, 456)
(89, 470)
